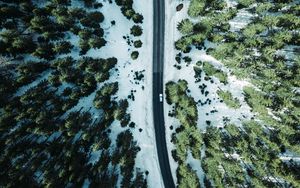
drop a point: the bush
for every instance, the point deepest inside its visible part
(138, 43)
(185, 27)
(134, 55)
(184, 44)
(245, 3)
(174, 91)
(137, 18)
(228, 99)
(136, 30)
(210, 70)
(196, 8)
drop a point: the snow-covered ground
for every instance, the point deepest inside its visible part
(242, 19)
(234, 85)
(290, 52)
(141, 108)
(289, 156)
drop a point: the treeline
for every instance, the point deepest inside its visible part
(187, 137)
(136, 30)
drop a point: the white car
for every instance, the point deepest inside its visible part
(160, 97)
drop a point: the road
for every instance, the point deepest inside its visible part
(158, 108)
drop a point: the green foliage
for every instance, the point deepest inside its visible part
(102, 98)
(44, 51)
(189, 137)
(174, 91)
(40, 115)
(183, 44)
(227, 97)
(137, 18)
(134, 55)
(250, 53)
(196, 8)
(188, 177)
(185, 26)
(138, 44)
(210, 70)
(92, 19)
(136, 30)
(255, 100)
(253, 29)
(63, 47)
(245, 3)
(97, 42)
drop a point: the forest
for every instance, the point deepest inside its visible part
(265, 53)
(46, 140)
(68, 119)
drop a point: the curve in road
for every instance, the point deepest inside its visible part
(158, 108)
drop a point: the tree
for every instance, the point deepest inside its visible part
(185, 26)
(245, 3)
(184, 44)
(24, 45)
(97, 42)
(92, 19)
(63, 47)
(270, 21)
(138, 44)
(137, 18)
(40, 23)
(136, 30)
(44, 51)
(102, 98)
(188, 177)
(228, 99)
(128, 13)
(134, 55)
(196, 8)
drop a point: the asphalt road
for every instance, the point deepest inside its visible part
(158, 108)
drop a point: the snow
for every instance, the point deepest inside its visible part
(196, 165)
(86, 183)
(242, 19)
(288, 156)
(117, 47)
(231, 3)
(234, 156)
(234, 85)
(290, 52)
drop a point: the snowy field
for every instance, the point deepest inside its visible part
(141, 108)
